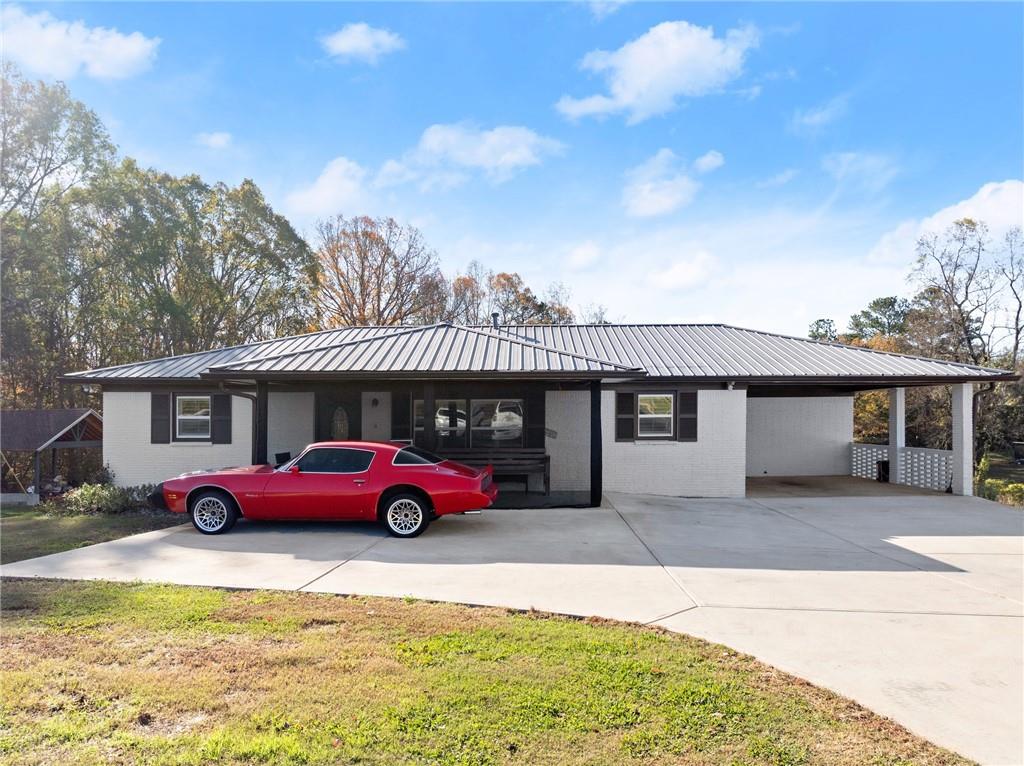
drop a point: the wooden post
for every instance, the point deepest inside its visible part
(596, 458)
(38, 476)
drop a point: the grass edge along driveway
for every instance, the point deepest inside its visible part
(27, 533)
(98, 672)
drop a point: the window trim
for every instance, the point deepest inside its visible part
(672, 415)
(178, 437)
(373, 456)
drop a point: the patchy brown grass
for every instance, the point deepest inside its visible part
(25, 534)
(128, 674)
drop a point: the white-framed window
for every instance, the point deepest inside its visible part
(191, 417)
(655, 416)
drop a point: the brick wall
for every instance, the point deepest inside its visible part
(799, 436)
(712, 466)
(290, 421)
(567, 416)
(128, 452)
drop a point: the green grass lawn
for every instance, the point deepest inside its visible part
(27, 533)
(1003, 467)
(137, 674)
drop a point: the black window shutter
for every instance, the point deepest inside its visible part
(625, 417)
(687, 426)
(220, 418)
(160, 418)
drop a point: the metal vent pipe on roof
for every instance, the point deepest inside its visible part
(494, 320)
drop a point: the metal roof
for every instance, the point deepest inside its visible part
(723, 351)
(441, 348)
(699, 351)
(34, 430)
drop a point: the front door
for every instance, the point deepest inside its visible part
(330, 483)
(338, 416)
(376, 407)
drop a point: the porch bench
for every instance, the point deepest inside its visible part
(514, 461)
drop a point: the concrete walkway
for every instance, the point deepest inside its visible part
(911, 604)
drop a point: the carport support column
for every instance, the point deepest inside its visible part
(262, 413)
(963, 439)
(897, 433)
(596, 457)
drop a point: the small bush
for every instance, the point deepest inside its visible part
(1006, 492)
(99, 499)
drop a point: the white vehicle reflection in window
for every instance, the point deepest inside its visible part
(497, 422)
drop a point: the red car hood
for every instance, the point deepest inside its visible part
(265, 468)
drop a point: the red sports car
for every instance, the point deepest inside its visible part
(402, 486)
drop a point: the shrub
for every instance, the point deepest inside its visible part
(1006, 492)
(99, 499)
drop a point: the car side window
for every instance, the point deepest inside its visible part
(335, 460)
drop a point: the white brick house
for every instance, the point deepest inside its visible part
(689, 410)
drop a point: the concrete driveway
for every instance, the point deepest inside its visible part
(911, 604)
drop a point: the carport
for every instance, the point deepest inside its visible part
(41, 431)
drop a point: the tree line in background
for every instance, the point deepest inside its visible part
(104, 262)
(969, 308)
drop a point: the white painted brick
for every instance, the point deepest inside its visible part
(712, 466)
(799, 436)
(128, 452)
(567, 415)
(290, 421)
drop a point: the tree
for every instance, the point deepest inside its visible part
(1010, 266)
(375, 272)
(955, 266)
(48, 141)
(884, 316)
(822, 329)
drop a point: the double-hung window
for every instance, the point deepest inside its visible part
(192, 417)
(655, 414)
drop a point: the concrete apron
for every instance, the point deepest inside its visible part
(911, 605)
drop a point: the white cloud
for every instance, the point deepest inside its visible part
(339, 189)
(709, 161)
(446, 154)
(863, 171)
(816, 118)
(602, 9)
(217, 140)
(584, 255)
(999, 204)
(43, 44)
(658, 186)
(646, 76)
(361, 42)
(684, 273)
(779, 179)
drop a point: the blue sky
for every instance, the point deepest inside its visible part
(756, 164)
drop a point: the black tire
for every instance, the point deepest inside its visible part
(212, 511)
(405, 515)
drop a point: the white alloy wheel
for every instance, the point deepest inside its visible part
(405, 516)
(213, 513)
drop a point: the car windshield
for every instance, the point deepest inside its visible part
(416, 456)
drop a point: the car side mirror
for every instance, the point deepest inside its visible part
(294, 470)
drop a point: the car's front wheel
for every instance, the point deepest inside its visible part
(405, 515)
(212, 512)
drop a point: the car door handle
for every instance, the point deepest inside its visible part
(359, 481)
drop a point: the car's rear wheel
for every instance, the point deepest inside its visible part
(212, 512)
(405, 515)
